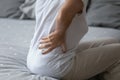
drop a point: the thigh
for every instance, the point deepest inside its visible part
(92, 61)
(112, 73)
(95, 43)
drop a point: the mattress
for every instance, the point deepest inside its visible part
(15, 36)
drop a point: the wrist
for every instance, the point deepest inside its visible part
(61, 32)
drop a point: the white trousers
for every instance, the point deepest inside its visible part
(94, 57)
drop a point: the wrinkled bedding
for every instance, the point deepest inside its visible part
(14, 44)
(15, 36)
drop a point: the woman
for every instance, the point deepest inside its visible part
(54, 50)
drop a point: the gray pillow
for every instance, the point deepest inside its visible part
(28, 9)
(104, 13)
(10, 8)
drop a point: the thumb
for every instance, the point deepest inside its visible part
(64, 47)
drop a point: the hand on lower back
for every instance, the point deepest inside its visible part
(52, 41)
(64, 18)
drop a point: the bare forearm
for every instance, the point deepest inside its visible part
(63, 20)
(67, 12)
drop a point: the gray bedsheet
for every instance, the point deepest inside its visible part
(15, 36)
(17, 32)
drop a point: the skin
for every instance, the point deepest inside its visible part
(64, 18)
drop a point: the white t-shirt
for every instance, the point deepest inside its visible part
(56, 63)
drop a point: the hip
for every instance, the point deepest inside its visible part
(46, 65)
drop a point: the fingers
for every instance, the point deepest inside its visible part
(44, 41)
(48, 50)
(48, 37)
(45, 45)
(51, 46)
(44, 38)
(50, 42)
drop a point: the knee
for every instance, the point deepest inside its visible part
(114, 40)
(117, 46)
(116, 50)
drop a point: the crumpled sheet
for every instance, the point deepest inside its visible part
(13, 64)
